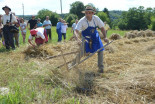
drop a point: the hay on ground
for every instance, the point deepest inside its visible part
(141, 34)
(130, 35)
(115, 36)
(149, 33)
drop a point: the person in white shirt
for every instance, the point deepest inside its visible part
(5, 19)
(23, 29)
(91, 41)
(73, 29)
(47, 24)
(64, 29)
(40, 36)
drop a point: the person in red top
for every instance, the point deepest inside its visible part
(40, 36)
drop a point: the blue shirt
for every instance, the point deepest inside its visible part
(39, 24)
(58, 25)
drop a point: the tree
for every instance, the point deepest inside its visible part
(153, 23)
(53, 17)
(105, 10)
(134, 19)
(70, 18)
(103, 16)
(77, 8)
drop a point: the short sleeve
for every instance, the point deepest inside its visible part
(79, 26)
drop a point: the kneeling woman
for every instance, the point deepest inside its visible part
(40, 36)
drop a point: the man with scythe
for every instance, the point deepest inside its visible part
(91, 41)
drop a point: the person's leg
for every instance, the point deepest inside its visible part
(11, 41)
(100, 62)
(80, 54)
(6, 39)
(23, 34)
(59, 35)
(16, 39)
(64, 36)
(47, 32)
(50, 34)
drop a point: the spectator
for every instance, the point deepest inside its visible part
(39, 24)
(16, 35)
(64, 29)
(47, 24)
(73, 28)
(23, 29)
(40, 36)
(32, 23)
(58, 27)
(5, 19)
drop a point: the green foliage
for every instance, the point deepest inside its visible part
(115, 17)
(70, 18)
(103, 16)
(153, 23)
(136, 18)
(52, 16)
(76, 8)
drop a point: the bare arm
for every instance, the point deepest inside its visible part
(29, 40)
(76, 32)
(45, 25)
(104, 34)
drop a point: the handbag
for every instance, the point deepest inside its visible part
(13, 29)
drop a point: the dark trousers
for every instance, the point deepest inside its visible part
(48, 32)
(59, 35)
(8, 37)
(64, 35)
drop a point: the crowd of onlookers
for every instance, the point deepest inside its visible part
(41, 31)
(11, 39)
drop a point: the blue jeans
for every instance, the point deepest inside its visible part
(59, 35)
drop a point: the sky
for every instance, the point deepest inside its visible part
(31, 7)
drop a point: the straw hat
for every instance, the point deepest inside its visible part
(6, 7)
(89, 8)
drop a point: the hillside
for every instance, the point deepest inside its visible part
(32, 78)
